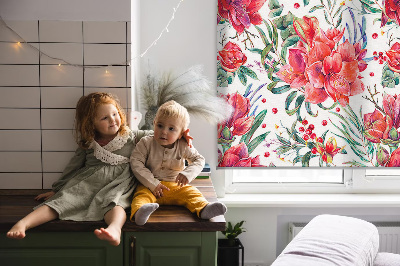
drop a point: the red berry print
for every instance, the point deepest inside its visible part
(380, 54)
(380, 61)
(274, 110)
(296, 5)
(267, 154)
(309, 131)
(375, 35)
(263, 125)
(263, 100)
(324, 122)
(313, 136)
(320, 140)
(311, 126)
(305, 122)
(306, 137)
(337, 109)
(375, 53)
(314, 150)
(372, 74)
(301, 129)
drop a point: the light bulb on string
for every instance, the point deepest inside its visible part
(175, 9)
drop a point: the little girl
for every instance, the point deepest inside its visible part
(97, 183)
(158, 162)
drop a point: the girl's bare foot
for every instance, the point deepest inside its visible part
(17, 231)
(110, 234)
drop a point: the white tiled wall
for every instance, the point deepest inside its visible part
(38, 96)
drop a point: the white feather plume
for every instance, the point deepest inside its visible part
(191, 89)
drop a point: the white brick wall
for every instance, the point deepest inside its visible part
(38, 96)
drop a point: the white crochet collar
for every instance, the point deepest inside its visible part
(105, 154)
(117, 143)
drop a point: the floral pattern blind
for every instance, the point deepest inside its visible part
(313, 83)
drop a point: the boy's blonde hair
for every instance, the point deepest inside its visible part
(175, 110)
(86, 109)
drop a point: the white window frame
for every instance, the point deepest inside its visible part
(363, 183)
(355, 181)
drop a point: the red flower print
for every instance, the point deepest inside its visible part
(231, 57)
(293, 73)
(241, 107)
(238, 156)
(377, 126)
(242, 125)
(391, 105)
(306, 28)
(394, 160)
(323, 71)
(239, 123)
(394, 57)
(240, 13)
(391, 10)
(329, 150)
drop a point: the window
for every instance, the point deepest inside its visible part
(316, 180)
(377, 180)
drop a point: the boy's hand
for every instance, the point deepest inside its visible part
(158, 191)
(187, 137)
(45, 196)
(181, 180)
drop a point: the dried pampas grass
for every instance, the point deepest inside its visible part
(191, 89)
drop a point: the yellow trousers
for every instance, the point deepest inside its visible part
(187, 196)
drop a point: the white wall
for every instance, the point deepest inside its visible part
(71, 10)
(190, 40)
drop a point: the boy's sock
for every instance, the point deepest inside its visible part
(213, 209)
(144, 212)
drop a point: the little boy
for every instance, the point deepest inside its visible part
(158, 162)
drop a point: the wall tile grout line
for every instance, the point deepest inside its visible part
(126, 68)
(40, 111)
(83, 59)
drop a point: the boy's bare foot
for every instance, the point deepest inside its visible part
(110, 234)
(17, 231)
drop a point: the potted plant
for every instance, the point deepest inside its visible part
(228, 249)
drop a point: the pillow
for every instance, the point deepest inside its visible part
(332, 240)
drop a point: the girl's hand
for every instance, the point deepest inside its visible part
(187, 137)
(181, 180)
(45, 196)
(159, 190)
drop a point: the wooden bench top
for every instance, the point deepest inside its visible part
(15, 204)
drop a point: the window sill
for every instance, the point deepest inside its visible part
(311, 200)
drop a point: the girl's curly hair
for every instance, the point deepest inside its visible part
(86, 108)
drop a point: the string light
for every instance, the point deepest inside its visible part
(164, 30)
(84, 66)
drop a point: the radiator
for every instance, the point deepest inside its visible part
(389, 235)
